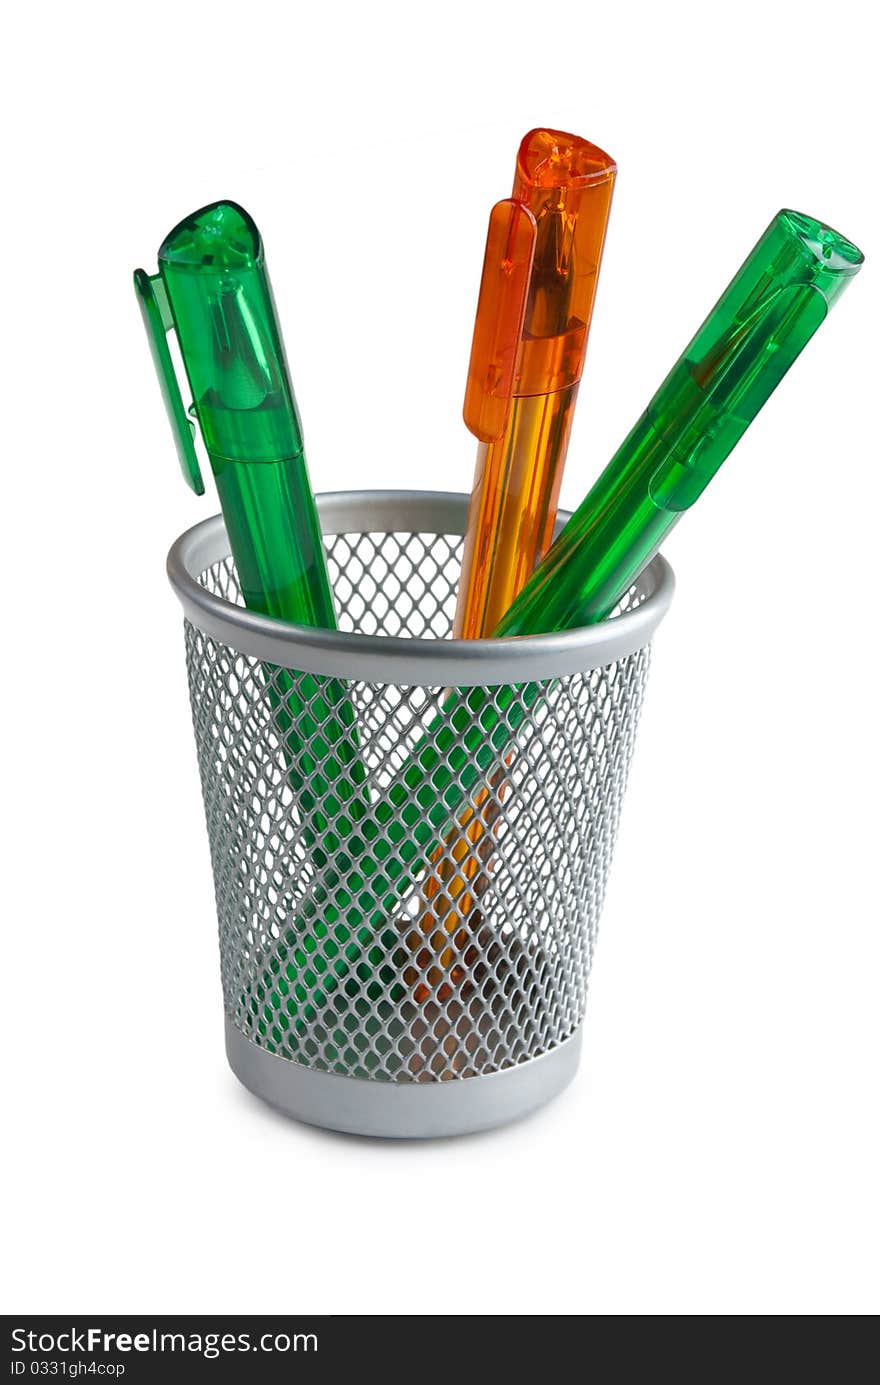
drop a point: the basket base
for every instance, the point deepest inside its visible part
(401, 1110)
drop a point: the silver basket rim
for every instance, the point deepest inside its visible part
(403, 659)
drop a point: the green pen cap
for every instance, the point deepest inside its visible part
(755, 332)
(214, 272)
(213, 291)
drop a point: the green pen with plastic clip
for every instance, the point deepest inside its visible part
(775, 303)
(213, 291)
(778, 299)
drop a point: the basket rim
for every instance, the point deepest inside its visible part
(402, 659)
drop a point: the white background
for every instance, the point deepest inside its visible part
(718, 1151)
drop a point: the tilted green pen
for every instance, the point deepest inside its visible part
(761, 323)
(213, 291)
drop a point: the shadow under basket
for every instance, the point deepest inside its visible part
(410, 835)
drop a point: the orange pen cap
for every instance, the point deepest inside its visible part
(532, 339)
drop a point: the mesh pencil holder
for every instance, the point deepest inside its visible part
(410, 835)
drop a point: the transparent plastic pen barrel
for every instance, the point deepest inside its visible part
(213, 292)
(773, 306)
(523, 376)
(214, 272)
(761, 323)
(543, 253)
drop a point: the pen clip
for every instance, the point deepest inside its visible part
(501, 308)
(156, 313)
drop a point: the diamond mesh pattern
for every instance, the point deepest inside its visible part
(332, 954)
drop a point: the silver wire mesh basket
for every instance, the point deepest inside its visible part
(410, 834)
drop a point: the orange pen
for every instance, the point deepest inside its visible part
(543, 253)
(523, 416)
